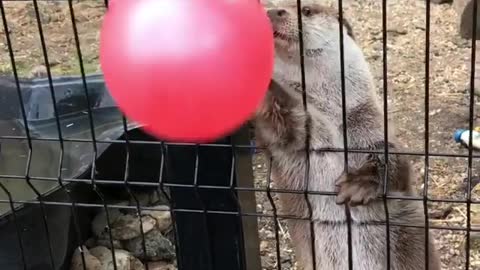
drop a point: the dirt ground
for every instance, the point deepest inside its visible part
(59, 37)
(448, 99)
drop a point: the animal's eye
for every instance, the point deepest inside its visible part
(306, 11)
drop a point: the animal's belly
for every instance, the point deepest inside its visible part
(367, 245)
(325, 209)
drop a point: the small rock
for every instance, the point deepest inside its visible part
(38, 71)
(99, 223)
(162, 215)
(170, 235)
(136, 264)
(149, 198)
(441, 213)
(263, 247)
(91, 262)
(158, 247)
(287, 265)
(91, 242)
(267, 262)
(161, 266)
(160, 197)
(100, 252)
(127, 227)
(143, 199)
(104, 255)
(105, 242)
(264, 233)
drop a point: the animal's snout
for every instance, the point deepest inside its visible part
(276, 14)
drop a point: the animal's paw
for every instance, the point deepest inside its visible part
(354, 189)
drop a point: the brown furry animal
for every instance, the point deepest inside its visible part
(281, 128)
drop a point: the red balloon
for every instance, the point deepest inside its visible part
(188, 70)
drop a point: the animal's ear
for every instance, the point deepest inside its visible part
(347, 26)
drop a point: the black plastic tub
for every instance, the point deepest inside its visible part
(47, 231)
(29, 223)
(42, 236)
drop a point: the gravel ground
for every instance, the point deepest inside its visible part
(406, 29)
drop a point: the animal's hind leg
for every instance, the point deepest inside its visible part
(302, 242)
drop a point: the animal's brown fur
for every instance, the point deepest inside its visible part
(281, 127)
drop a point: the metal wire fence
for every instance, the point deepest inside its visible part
(68, 154)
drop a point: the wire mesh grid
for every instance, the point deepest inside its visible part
(211, 205)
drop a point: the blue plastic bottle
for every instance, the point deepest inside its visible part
(462, 136)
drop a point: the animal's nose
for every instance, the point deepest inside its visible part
(276, 13)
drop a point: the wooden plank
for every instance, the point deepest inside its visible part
(244, 174)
